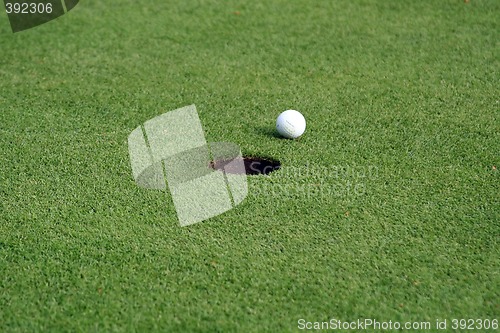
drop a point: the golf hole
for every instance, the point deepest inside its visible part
(253, 166)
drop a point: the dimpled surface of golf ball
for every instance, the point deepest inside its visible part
(291, 124)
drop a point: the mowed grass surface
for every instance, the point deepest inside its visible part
(387, 208)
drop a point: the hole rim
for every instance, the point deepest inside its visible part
(269, 165)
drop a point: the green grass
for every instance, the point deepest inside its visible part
(406, 88)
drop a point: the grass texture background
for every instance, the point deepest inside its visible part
(406, 89)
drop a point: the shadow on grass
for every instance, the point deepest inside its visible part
(267, 131)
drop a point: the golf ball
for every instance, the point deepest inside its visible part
(291, 124)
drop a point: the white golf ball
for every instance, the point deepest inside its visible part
(291, 124)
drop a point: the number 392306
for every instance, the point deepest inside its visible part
(28, 8)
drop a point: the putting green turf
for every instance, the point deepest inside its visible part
(387, 207)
